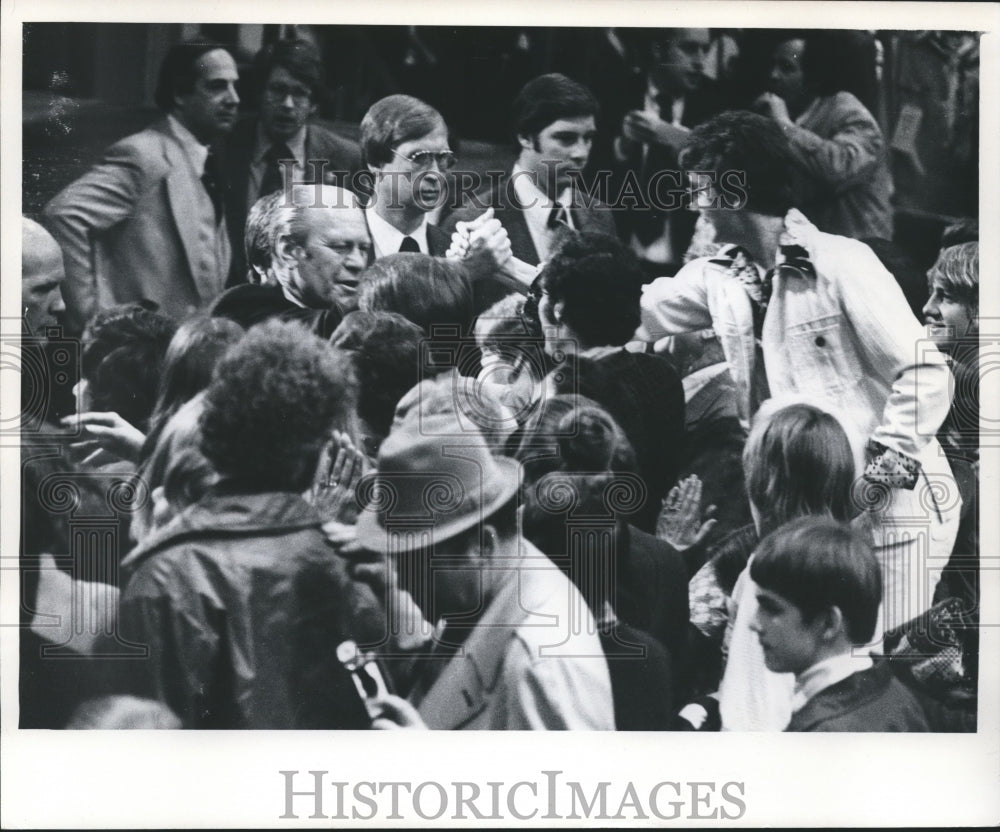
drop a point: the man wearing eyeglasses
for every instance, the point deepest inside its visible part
(288, 78)
(405, 145)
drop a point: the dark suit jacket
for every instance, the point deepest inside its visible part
(869, 700)
(698, 107)
(344, 158)
(250, 304)
(591, 217)
(652, 595)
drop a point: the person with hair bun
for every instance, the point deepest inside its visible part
(580, 491)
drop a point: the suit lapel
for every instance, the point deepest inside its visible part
(437, 241)
(511, 216)
(182, 185)
(466, 686)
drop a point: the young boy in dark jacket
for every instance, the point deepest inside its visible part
(819, 588)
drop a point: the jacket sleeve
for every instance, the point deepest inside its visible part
(896, 345)
(94, 203)
(672, 305)
(849, 155)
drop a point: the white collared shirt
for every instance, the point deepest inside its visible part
(196, 152)
(537, 207)
(825, 674)
(387, 239)
(296, 144)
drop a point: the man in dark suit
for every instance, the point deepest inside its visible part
(286, 77)
(677, 96)
(147, 222)
(554, 119)
(405, 145)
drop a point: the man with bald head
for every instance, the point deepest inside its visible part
(42, 275)
(318, 246)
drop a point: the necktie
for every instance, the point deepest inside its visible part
(212, 180)
(649, 222)
(409, 245)
(559, 217)
(273, 179)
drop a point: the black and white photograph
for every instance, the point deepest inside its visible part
(393, 373)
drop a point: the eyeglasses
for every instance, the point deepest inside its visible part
(279, 92)
(424, 159)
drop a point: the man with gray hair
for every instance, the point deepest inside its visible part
(315, 247)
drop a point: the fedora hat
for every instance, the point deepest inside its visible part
(435, 479)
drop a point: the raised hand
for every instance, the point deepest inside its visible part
(680, 522)
(338, 477)
(105, 434)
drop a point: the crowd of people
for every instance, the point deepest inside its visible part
(648, 431)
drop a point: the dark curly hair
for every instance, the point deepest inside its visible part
(179, 70)
(274, 400)
(385, 350)
(122, 360)
(599, 281)
(744, 144)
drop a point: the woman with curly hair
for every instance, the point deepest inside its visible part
(230, 594)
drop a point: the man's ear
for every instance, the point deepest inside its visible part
(557, 311)
(526, 142)
(832, 623)
(289, 251)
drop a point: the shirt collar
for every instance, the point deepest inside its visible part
(387, 238)
(794, 250)
(193, 149)
(825, 674)
(296, 144)
(652, 104)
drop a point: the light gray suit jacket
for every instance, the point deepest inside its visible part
(139, 225)
(533, 662)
